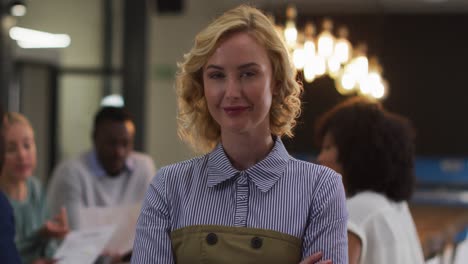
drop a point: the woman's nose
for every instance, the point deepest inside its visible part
(22, 153)
(233, 88)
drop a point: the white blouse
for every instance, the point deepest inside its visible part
(386, 229)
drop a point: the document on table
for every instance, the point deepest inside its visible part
(110, 229)
(123, 217)
(83, 246)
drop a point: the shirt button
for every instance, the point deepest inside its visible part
(211, 239)
(256, 243)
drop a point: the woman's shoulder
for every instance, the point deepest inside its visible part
(367, 205)
(35, 190)
(301, 168)
(185, 164)
(177, 177)
(34, 186)
(368, 199)
(183, 167)
(320, 180)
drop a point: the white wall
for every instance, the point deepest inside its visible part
(79, 95)
(35, 99)
(80, 19)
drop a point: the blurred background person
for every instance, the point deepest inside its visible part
(373, 150)
(110, 175)
(8, 251)
(34, 232)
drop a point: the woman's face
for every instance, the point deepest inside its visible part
(329, 154)
(238, 85)
(20, 152)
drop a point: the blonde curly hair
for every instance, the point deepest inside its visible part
(195, 124)
(12, 118)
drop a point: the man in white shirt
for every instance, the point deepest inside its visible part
(111, 174)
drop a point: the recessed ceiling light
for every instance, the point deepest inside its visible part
(18, 10)
(115, 100)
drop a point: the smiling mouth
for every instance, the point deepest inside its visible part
(23, 167)
(235, 109)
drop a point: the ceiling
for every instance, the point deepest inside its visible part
(369, 6)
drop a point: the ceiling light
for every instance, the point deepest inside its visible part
(326, 54)
(115, 100)
(17, 8)
(29, 38)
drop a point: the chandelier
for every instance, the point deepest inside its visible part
(327, 54)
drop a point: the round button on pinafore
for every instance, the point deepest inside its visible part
(256, 243)
(211, 239)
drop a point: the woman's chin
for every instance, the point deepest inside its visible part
(23, 176)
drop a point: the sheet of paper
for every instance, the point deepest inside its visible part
(461, 253)
(123, 217)
(84, 246)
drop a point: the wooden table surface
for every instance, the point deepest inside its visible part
(438, 226)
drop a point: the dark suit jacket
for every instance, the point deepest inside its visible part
(8, 252)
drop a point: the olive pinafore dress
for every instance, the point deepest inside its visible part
(210, 244)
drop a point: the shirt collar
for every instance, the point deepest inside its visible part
(99, 171)
(264, 174)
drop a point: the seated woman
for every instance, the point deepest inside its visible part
(373, 150)
(33, 230)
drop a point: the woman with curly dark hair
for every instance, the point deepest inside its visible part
(374, 152)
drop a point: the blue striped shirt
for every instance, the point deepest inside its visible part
(279, 193)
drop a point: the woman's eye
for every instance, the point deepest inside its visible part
(248, 74)
(216, 75)
(10, 149)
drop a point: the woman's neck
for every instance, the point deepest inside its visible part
(245, 150)
(16, 190)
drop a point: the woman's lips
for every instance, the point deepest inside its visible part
(23, 168)
(234, 110)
